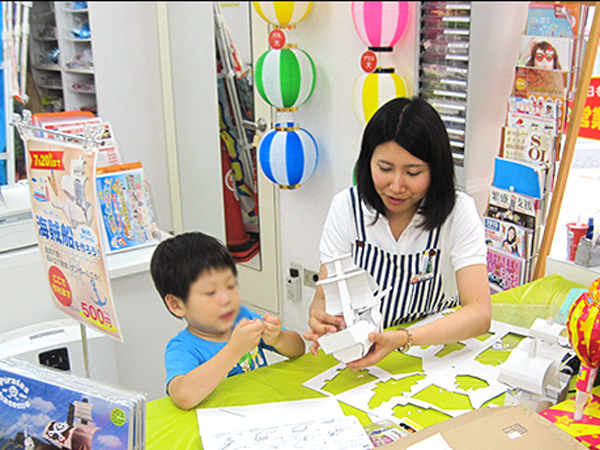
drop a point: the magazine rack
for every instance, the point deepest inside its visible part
(571, 138)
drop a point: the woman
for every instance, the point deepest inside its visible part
(542, 55)
(407, 226)
(511, 242)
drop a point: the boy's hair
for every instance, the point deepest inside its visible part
(178, 261)
(417, 127)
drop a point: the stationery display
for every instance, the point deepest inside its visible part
(46, 408)
(530, 146)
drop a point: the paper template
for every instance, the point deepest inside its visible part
(440, 370)
(345, 433)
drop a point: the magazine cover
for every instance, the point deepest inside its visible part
(553, 19)
(41, 411)
(532, 107)
(126, 207)
(546, 52)
(508, 237)
(515, 208)
(531, 122)
(527, 145)
(504, 271)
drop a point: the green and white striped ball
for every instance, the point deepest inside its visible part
(285, 78)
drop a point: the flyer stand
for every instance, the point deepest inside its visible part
(61, 170)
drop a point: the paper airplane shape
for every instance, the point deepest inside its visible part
(351, 292)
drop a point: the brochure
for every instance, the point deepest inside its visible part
(505, 271)
(553, 19)
(527, 145)
(508, 237)
(126, 208)
(516, 208)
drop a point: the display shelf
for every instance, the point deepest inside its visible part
(57, 29)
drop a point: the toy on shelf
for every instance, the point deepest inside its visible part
(584, 334)
(350, 291)
(534, 367)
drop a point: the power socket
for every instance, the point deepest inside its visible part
(310, 278)
(293, 285)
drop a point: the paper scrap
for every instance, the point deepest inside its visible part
(435, 442)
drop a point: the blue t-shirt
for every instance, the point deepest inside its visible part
(187, 351)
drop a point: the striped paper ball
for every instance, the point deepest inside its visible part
(288, 155)
(372, 90)
(283, 14)
(380, 24)
(285, 78)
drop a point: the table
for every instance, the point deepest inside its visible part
(171, 427)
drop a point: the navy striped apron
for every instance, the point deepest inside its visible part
(414, 280)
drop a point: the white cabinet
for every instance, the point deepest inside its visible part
(61, 56)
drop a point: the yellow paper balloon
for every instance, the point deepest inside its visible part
(372, 90)
(283, 14)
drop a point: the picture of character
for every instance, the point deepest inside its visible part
(511, 242)
(542, 55)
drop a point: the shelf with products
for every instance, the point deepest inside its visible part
(62, 43)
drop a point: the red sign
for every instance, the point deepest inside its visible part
(368, 61)
(47, 160)
(277, 39)
(590, 119)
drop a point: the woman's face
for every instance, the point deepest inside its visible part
(511, 234)
(544, 59)
(400, 179)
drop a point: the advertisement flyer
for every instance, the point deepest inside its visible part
(65, 211)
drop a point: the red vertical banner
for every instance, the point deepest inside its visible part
(590, 120)
(65, 209)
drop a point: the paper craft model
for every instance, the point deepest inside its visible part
(533, 368)
(351, 292)
(77, 208)
(76, 432)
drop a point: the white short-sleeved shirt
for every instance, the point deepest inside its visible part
(462, 236)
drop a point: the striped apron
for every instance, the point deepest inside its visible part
(414, 280)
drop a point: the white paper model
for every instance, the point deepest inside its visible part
(533, 368)
(350, 292)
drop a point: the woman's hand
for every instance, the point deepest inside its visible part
(321, 323)
(383, 344)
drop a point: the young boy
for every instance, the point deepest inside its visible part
(197, 279)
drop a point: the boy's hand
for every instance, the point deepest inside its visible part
(272, 330)
(246, 336)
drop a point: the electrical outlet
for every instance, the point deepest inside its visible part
(310, 278)
(293, 282)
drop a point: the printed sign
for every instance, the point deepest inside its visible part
(65, 210)
(590, 119)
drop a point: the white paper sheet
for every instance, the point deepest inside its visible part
(215, 421)
(435, 442)
(345, 433)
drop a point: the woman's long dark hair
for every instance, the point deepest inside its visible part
(417, 127)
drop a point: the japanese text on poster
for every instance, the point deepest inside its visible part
(64, 206)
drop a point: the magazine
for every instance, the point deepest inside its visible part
(527, 145)
(46, 408)
(126, 208)
(516, 208)
(553, 19)
(505, 271)
(508, 237)
(531, 122)
(527, 178)
(546, 52)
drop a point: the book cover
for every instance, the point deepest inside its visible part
(520, 177)
(527, 145)
(126, 208)
(40, 408)
(546, 52)
(505, 271)
(515, 208)
(553, 19)
(508, 237)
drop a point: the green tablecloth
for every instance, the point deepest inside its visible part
(169, 427)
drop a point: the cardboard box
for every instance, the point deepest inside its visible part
(506, 427)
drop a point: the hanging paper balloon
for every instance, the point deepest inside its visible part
(288, 155)
(285, 78)
(380, 24)
(372, 90)
(282, 14)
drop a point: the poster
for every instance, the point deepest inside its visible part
(65, 212)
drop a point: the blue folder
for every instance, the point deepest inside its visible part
(519, 177)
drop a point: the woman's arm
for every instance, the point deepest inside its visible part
(472, 319)
(319, 321)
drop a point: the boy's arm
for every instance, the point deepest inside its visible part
(187, 391)
(286, 342)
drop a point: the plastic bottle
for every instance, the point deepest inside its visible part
(590, 230)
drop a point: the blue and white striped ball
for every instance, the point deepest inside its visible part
(288, 157)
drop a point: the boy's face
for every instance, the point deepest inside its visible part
(213, 304)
